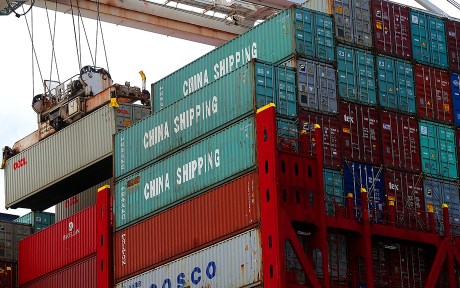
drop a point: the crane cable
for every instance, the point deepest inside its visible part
(32, 3)
(53, 36)
(99, 24)
(84, 30)
(75, 36)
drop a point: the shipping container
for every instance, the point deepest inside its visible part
(438, 192)
(317, 86)
(455, 85)
(360, 133)
(400, 141)
(326, 6)
(292, 31)
(395, 78)
(433, 92)
(57, 246)
(438, 151)
(79, 202)
(357, 176)
(8, 217)
(288, 134)
(78, 275)
(235, 262)
(49, 171)
(187, 173)
(333, 189)
(356, 75)
(10, 234)
(392, 33)
(38, 220)
(399, 264)
(8, 274)
(406, 192)
(331, 137)
(353, 21)
(204, 220)
(429, 43)
(453, 43)
(285, 92)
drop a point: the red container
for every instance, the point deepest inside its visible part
(453, 44)
(392, 32)
(190, 226)
(79, 275)
(57, 246)
(406, 191)
(8, 274)
(400, 141)
(432, 90)
(360, 133)
(331, 138)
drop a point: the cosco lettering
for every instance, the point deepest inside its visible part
(196, 276)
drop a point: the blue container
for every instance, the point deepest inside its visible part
(333, 189)
(455, 86)
(396, 84)
(429, 41)
(437, 146)
(356, 75)
(357, 176)
(438, 192)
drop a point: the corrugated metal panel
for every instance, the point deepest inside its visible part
(357, 176)
(333, 188)
(186, 173)
(79, 202)
(392, 34)
(204, 219)
(400, 141)
(38, 220)
(453, 43)
(438, 152)
(429, 43)
(399, 264)
(235, 262)
(10, 234)
(395, 78)
(325, 6)
(331, 137)
(269, 41)
(455, 85)
(338, 256)
(57, 246)
(432, 88)
(82, 274)
(286, 91)
(190, 118)
(72, 149)
(8, 217)
(356, 75)
(317, 86)
(360, 133)
(438, 192)
(314, 35)
(353, 21)
(288, 134)
(406, 190)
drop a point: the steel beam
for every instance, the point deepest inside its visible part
(154, 18)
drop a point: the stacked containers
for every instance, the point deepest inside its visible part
(38, 220)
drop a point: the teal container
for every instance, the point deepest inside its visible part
(333, 189)
(356, 75)
(198, 168)
(437, 144)
(219, 104)
(288, 134)
(429, 41)
(38, 220)
(271, 41)
(396, 84)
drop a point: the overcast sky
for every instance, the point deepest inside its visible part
(129, 51)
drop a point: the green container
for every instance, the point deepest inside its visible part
(197, 168)
(293, 31)
(38, 220)
(333, 189)
(437, 146)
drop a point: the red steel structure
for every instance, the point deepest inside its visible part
(292, 201)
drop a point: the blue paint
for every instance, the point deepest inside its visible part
(455, 86)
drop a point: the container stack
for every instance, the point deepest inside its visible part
(38, 220)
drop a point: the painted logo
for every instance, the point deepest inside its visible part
(20, 163)
(72, 231)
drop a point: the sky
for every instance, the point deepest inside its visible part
(128, 51)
